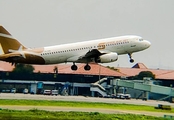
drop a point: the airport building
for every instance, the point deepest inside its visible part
(99, 81)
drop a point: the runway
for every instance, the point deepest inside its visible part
(84, 99)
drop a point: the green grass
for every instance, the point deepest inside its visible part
(82, 104)
(35, 114)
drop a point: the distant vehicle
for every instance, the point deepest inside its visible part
(6, 91)
(107, 96)
(47, 92)
(13, 90)
(127, 96)
(25, 91)
(113, 96)
(123, 96)
(54, 92)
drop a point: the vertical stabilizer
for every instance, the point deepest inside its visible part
(7, 42)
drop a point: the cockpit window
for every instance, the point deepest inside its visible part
(141, 39)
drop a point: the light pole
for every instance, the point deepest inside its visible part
(99, 72)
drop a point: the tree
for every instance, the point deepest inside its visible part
(113, 68)
(143, 74)
(23, 69)
(55, 69)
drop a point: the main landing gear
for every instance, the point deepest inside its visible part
(86, 67)
(130, 56)
(74, 67)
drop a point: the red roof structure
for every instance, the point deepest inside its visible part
(97, 69)
(139, 67)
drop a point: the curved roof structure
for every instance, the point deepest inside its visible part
(97, 69)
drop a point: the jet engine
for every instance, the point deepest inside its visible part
(106, 58)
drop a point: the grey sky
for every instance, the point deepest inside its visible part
(37, 23)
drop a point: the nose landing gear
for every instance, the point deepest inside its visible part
(130, 56)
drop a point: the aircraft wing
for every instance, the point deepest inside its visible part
(92, 53)
(88, 57)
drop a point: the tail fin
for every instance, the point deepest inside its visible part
(7, 42)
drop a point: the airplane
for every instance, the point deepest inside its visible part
(98, 51)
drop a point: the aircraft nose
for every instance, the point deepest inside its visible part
(147, 44)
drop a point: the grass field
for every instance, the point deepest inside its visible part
(82, 104)
(35, 114)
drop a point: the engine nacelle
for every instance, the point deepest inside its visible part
(106, 58)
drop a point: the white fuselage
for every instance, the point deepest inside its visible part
(71, 52)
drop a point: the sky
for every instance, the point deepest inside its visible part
(38, 23)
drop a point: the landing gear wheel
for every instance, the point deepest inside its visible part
(87, 67)
(74, 67)
(131, 60)
(130, 56)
